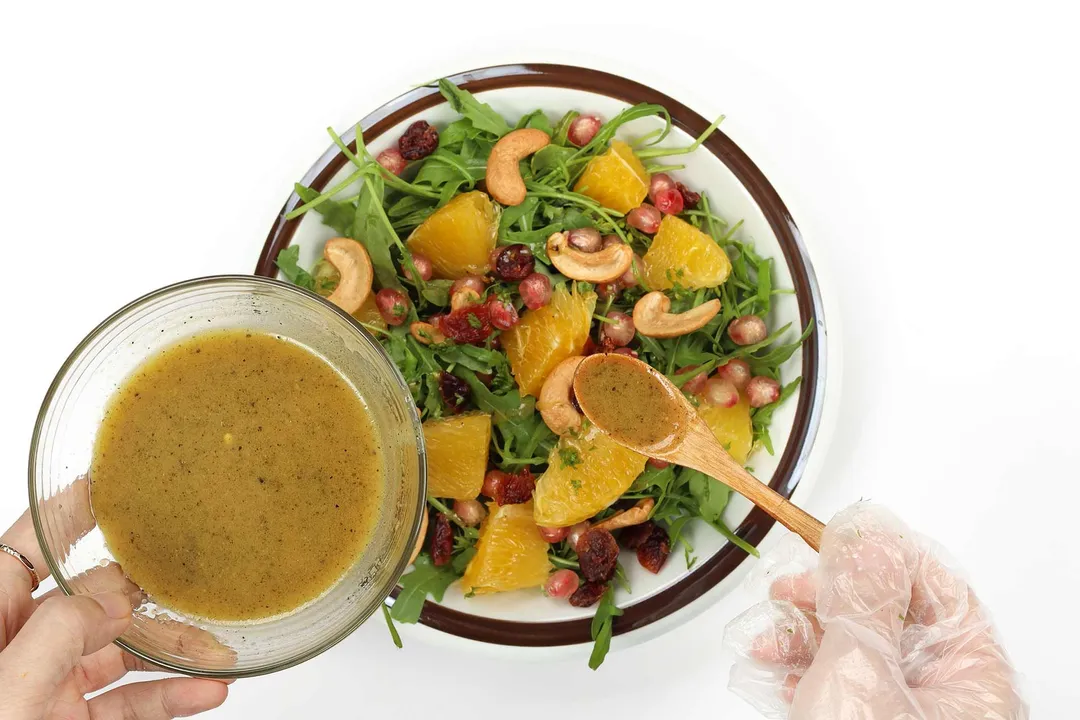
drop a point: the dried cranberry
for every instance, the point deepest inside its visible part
(442, 541)
(632, 537)
(470, 324)
(598, 553)
(454, 392)
(653, 551)
(515, 488)
(590, 347)
(689, 197)
(588, 594)
(515, 262)
(419, 141)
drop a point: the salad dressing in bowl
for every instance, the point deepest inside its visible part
(236, 476)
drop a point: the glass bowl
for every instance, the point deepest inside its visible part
(62, 447)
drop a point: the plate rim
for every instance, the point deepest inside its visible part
(810, 406)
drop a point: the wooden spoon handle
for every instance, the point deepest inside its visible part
(704, 453)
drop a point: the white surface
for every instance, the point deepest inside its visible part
(929, 155)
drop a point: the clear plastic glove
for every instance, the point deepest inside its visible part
(876, 628)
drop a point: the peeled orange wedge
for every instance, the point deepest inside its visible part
(586, 473)
(731, 426)
(369, 314)
(547, 336)
(616, 179)
(459, 236)
(681, 254)
(510, 553)
(457, 455)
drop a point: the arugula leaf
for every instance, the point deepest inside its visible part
(437, 292)
(390, 624)
(602, 622)
(424, 580)
(537, 120)
(483, 117)
(335, 214)
(372, 229)
(712, 495)
(288, 261)
(475, 358)
(562, 129)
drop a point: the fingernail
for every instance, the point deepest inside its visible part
(115, 605)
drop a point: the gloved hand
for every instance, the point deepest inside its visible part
(875, 628)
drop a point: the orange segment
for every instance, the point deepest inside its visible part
(368, 313)
(731, 426)
(457, 455)
(616, 179)
(459, 236)
(510, 553)
(547, 336)
(681, 254)
(587, 472)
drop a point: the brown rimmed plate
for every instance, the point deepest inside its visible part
(742, 192)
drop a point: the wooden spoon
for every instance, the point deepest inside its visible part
(642, 410)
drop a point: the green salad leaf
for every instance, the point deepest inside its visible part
(602, 623)
(424, 580)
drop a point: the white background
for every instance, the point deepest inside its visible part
(928, 152)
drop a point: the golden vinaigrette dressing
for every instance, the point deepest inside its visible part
(621, 396)
(236, 476)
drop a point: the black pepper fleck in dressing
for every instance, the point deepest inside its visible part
(236, 476)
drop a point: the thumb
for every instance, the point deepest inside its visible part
(59, 633)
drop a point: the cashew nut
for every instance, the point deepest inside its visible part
(605, 265)
(634, 516)
(651, 316)
(503, 178)
(426, 333)
(464, 298)
(351, 261)
(420, 538)
(554, 404)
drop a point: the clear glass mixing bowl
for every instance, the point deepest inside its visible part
(63, 443)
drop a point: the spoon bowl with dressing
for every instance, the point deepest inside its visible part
(641, 409)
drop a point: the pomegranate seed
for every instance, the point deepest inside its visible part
(762, 390)
(695, 384)
(584, 239)
(736, 372)
(576, 531)
(422, 265)
(535, 291)
(645, 218)
(747, 330)
(628, 279)
(515, 262)
(620, 330)
(721, 393)
(392, 160)
(583, 129)
(609, 240)
(606, 290)
(658, 463)
(503, 314)
(393, 305)
(658, 183)
(669, 201)
(626, 351)
(562, 583)
(492, 480)
(471, 512)
(468, 282)
(485, 378)
(553, 534)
